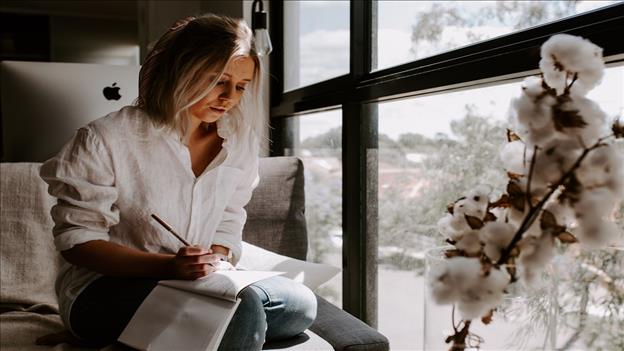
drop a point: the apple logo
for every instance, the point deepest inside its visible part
(112, 93)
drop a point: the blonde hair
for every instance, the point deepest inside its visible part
(187, 62)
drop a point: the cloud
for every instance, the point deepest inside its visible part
(324, 55)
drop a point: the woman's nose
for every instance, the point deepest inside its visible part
(227, 93)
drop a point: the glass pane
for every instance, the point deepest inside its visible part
(316, 41)
(319, 137)
(424, 144)
(410, 30)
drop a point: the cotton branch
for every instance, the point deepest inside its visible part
(534, 211)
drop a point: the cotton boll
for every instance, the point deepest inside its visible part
(513, 157)
(496, 236)
(469, 207)
(564, 214)
(442, 285)
(535, 253)
(600, 168)
(452, 276)
(477, 201)
(446, 229)
(555, 79)
(555, 159)
(533, 112)
(483, 294)
(470, 242)
(596, 233)
(541, 136)
(568, 53)
(515, 217)
(533, 108)
(532, 86)
(595, 203)
(460, 280)
(459, 224)
(593, 115)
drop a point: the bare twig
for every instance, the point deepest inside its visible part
(531, 169)
(582, 321)
(567, 88)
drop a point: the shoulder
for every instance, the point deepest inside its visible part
(129, 123)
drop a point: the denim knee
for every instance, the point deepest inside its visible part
(247, 329)
(291, 307)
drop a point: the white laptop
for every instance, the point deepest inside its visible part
(43, 103)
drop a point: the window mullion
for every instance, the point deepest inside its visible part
(359, 179)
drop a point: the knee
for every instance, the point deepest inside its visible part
(247, 329)
(298, 311)
(251, 309)
(304, 306)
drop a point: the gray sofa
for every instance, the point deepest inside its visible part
(28, 307)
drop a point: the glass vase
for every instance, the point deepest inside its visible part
(525, 320)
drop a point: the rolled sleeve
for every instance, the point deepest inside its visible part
(81, 177)
(230, 230)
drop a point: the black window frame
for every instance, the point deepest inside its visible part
(496, 60)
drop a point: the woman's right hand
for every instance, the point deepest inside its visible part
(192, 262)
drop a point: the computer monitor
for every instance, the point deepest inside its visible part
(43, 103)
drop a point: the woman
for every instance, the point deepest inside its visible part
(187, 152)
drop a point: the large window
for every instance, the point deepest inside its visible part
(409, 30)
(423, 93)
(316, 43)
(319, 146)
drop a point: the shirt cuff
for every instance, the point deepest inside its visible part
(235, 246)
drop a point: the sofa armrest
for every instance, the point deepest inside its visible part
(345, 332)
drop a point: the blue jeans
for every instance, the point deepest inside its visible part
(271, 309)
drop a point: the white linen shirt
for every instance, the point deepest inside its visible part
(118, 170)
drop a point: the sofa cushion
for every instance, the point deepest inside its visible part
(276, 212)
(27, 256)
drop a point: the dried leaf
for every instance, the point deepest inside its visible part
(512, 272)
(516, 196)
(474, 222)
(502, 202)
(452, 253)
(489, 217)
(566, 118)
(450, 207)
(548, 224)
(514, 176)
(618, 128)
(572, 189)
(567, 238)
(486, 267)
(548, 220)
(449, 338)
(511, 136)
(547, 88)
(487, 318)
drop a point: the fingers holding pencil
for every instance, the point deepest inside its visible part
(191, 261)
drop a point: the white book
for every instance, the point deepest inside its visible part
(188, 314)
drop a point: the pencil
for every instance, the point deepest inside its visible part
(169, 229)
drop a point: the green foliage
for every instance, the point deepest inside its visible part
(429, 25)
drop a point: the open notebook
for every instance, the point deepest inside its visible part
(188, 314)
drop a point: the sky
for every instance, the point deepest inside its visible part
(323, 53)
